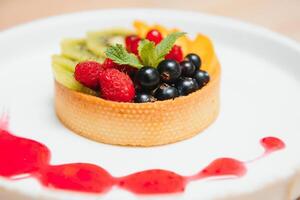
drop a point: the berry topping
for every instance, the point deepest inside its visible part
(143, 98)
(116, 86)
(148, 78)
(169, 70)
(142, 70)
(186, 86)
(165, 92)
(195, 59)
(132, 43)
(187, 68)
(154, 36)
(87, 73)
(175, 54)
(201, 77)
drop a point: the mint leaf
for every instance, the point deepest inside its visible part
(165, 46)
(147, 52)
(120, 56)
(152, 55)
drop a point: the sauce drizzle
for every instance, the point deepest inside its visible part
(21, 157)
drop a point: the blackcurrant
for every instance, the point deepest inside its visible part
(169, 71)
(143, 98)
(186, 86)
(164, 92)
(201, 77)
(195, 59)
(187, 68)
(148, 78)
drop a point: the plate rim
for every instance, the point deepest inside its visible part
(251, 28)
(231, 21)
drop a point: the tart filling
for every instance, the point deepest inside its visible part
(151, 87)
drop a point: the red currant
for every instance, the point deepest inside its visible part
(175, 54)
(154, 36)
(132, 43)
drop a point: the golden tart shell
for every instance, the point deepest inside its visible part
(144, 124)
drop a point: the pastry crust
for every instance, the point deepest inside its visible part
(140, 124)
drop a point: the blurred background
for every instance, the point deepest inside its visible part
(281, 16)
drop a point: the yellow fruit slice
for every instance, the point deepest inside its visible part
(201, 45)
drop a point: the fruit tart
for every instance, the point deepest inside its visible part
(147, 87)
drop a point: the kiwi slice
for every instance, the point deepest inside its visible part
(76, 49)
(98, 41)
(66, 78)
(65, 62)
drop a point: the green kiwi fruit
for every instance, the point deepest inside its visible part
(76, 49)
(98, 41)
(65, 62)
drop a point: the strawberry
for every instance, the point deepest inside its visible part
(116, 86)
(109, 63)
(87, 73)
(175, 54)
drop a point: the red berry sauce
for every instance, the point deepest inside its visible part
(222, 167)
(78, 177)
(272, 144)
(21, 156)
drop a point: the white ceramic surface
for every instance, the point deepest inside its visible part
(260, 97)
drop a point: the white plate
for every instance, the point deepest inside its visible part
(260, 97)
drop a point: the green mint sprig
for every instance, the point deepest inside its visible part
(147, 52)
(120, 56)
(150, 55)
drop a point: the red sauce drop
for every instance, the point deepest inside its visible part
(224, 167)
(77, 176)
(154, 181)
(21, 156)
(272, 144)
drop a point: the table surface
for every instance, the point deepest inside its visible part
(281, 16)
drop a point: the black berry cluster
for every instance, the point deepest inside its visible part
(170, 79)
